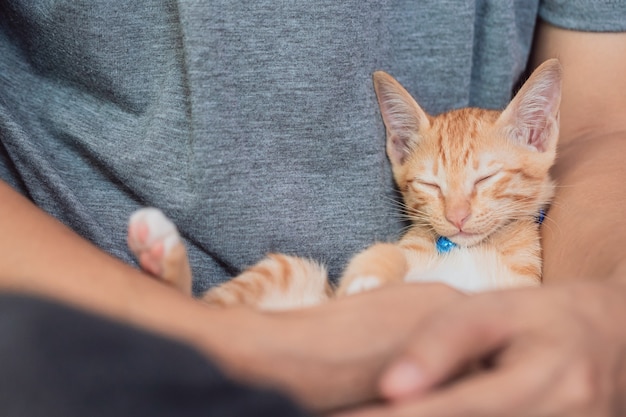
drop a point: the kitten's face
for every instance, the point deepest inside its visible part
(465, 179)
(466, 173)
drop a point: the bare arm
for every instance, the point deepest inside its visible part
(587, 231)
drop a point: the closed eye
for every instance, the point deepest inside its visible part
(486, 177)
(426, 184)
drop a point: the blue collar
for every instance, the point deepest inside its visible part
(445, 245)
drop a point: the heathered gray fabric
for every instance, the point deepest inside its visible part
(253, 125)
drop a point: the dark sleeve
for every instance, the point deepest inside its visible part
(58, 362)
(585, 15)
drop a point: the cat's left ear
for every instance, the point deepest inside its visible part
(532, 117)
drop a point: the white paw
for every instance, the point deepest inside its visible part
(360, 284)
(147, 228)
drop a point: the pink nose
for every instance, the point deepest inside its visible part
(458, 215)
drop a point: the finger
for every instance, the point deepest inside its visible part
(445, 345)
(518, 388)
(503, 392)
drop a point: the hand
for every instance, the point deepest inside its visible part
(555, 351)
(332, 355)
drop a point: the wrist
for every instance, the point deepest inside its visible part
(249, 346)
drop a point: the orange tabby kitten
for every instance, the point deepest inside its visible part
(473, 182)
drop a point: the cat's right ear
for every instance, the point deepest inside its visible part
(403, 117)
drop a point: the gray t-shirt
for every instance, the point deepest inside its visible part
(253, 125)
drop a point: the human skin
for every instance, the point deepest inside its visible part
(326, 357)
(559, 350)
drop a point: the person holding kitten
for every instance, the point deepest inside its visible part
(256, 129)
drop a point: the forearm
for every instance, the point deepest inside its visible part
(585, 234)
(43, 257)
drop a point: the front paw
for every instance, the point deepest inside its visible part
(359, 284)
(380, 264)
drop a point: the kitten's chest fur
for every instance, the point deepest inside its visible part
(511, 257)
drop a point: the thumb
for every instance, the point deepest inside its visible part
(444, 346)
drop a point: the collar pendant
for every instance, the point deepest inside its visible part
(445, 245)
